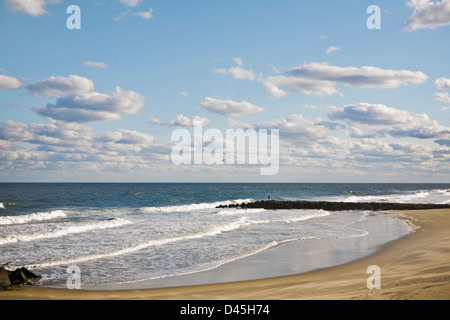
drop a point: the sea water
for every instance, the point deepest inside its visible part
(134, 234)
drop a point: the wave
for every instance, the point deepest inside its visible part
(193, 206)
(41, 216)
(63, 231)
(300, 215)
(212, 231)
(387, 198)
(143, 245)
(2, 206)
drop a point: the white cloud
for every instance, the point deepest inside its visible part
(278, 86)
(237, 72)
(332, 49)
(93, 106)
(183, 121)
(8, 83)
(442, 83)
(59, 86)
(428, 14)
(147, 15)
(442, 97)
(130, 3)
(94, 64)
(156, 121)
(31, 7)
(321, 79)
(229, 107)
(386, 120)
(127, 137)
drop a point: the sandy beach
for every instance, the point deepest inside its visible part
(414, 267)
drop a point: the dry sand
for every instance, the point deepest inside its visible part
(414, 267)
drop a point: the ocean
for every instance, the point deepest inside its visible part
(138, 234)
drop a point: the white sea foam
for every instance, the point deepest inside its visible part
(234, 212)
(63, 231)
(387, 198)
(419, 196)
(193, 206)
(40, 216)
(208, 232)
(146, 244)
(2, 206)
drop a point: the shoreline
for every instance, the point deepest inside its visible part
(415, 266)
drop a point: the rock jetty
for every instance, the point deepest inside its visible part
(16, 277)
(335, 206)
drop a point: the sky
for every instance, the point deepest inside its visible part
(352, 103)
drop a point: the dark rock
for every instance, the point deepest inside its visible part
(5, 283)
(29, 274)
(17, 277)
(336, 206)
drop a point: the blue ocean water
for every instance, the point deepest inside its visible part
(127, 233)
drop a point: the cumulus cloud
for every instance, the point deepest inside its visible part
(8, 83)
(387, 120)
(31, 7)
(321, 79)
(230, 107)
(428, 14)
(93, 106)
(442, 83)
(60, 86)
(184, 121)
(94, 64)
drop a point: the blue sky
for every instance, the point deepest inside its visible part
(100, 103)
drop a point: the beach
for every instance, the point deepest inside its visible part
(414, 267)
